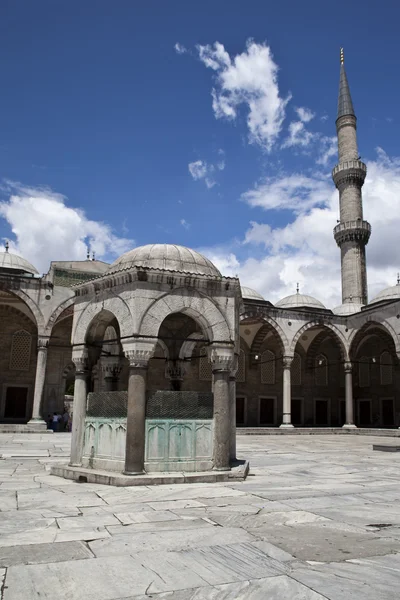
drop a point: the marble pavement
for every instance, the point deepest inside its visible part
(317, 518)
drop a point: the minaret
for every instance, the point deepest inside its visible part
(352, 233)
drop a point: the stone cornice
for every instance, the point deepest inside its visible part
(230, 286)
(350, 172)
(352, 231)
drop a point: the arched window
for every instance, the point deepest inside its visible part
(363, 372)
(268, 367)
(386, 368)
(321, 370)
(241, 372)
(296, 369)
(20, 351)
(205, 369)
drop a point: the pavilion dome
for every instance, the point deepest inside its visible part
(299, 301)
(15, 264)
(348, 308)
(166, 257)
(389, 293)
(250, 294)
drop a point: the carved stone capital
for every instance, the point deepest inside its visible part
(175, 370)
(111, 366)
(80, 359)
(287, 361)
(222, 358)
(348, 367)
(42, 343)
(139, 352)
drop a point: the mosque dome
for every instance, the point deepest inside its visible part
(166, 257)
(348, 308)
(299, 301)
(250, 294)
(390, 293)
(15, 265)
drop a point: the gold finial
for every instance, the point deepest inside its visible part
(341, 56)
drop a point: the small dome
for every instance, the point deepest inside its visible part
(166, 257)
(299, 301)
(348, 308)
(390, 293)
(15, 264)
(250, 294)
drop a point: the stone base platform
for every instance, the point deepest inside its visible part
(24, 428)
(386, 448)
(317, 431)
(238, 472)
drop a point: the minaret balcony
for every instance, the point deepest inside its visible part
(349, 172)
(352, 231)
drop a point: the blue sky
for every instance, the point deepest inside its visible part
(99, 108)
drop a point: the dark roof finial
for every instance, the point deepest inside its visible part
(398, 278)
(7, 246)
(297, 288)
(88, 253)
(345, 103)
(93, 256)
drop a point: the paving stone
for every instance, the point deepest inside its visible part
(175, 525)
(96, 579)
(155, 516)
(43, 553)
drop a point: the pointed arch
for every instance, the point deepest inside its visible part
(270, 325)
(335, 332)
(103, 313)
(383, 330)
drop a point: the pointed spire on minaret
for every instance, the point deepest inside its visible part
(345, 104)
(7, 246)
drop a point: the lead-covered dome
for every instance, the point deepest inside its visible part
(166, 257)
(348, 308)
(250, 294)
(15, 265)
(390, 293)
(299, 301)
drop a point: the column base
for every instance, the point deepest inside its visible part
(133, 473)
(286, 426)
(349, 426)
(37, 421)
(221, 468)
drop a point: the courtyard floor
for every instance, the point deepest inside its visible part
(318, 518)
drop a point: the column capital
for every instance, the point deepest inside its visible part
(111, 366)
(348, 367)
(42, 343)
(139, 351)
(287, 361)
(222, 357)
(80, 359)
(175, 370)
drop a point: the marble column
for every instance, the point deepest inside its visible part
(222, 359)
(138, 353)
(232, 407)
(111, 368)
(287, 393)
(42, 347)
(348, 377)
(79, 408)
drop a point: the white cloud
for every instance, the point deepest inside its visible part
(46, 228)
(305, 251)
(305, 114)
(184, 223)
(249, 79)
(296, 192)
(200, 169)
(179, 48)
(326, 150)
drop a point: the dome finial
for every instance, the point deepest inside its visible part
(398, 278)
(88, 253)
(7, 246)
(297, 288)
(341, 56)
(94, 255)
